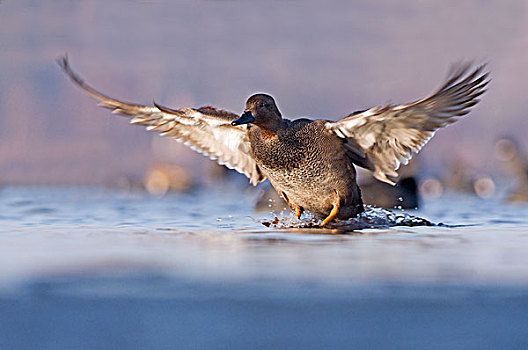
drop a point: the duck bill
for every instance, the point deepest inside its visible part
(245, 118)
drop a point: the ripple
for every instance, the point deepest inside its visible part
(22, 203)
(40, 211)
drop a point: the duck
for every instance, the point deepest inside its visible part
(310, 163)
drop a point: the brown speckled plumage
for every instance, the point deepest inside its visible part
(310, 162)
(307, 164)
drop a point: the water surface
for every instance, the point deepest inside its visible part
(215, 231)
(89, 267)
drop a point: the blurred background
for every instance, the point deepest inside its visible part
(317, 60)
(85, 267)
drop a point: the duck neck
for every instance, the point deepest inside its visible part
(270, 127)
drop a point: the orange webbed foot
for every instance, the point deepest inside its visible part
(298, 212)
(333, 212)
(331, 216)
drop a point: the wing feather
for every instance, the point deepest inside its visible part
(383, 137)
(206, 130)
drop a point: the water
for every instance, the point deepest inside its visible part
(89, 267)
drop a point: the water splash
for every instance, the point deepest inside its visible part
(372, 217)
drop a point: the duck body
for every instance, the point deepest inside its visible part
(308, 166)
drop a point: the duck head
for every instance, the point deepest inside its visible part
(260, 110)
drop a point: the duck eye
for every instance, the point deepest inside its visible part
(262, 104)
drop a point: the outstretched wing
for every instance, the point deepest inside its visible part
(381, 138)
(206, 130)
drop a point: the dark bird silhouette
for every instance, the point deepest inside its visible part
(309, 162)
